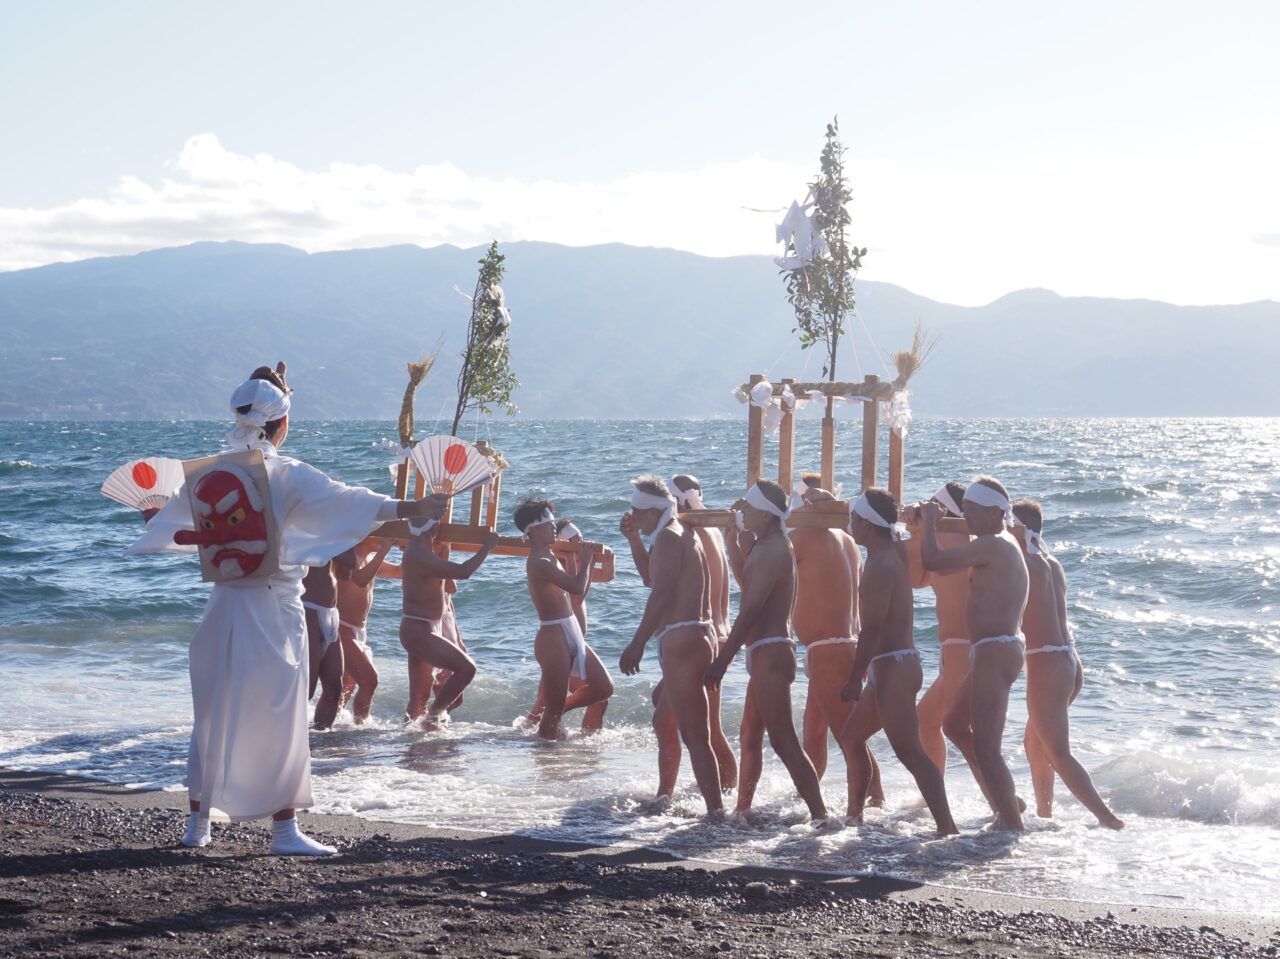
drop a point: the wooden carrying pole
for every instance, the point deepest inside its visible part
(896, 460)
(755, 438)
(870, 436)
(468, 539)
(786, 445)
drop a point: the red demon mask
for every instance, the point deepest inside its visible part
(231, 525)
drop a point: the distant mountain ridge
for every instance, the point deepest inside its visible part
(605, 331)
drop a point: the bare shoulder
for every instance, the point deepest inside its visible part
(540, 567)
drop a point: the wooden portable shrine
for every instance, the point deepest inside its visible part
(482, 520)
(831, 514)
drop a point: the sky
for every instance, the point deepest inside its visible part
(1101, 149)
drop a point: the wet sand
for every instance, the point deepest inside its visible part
(91, 869)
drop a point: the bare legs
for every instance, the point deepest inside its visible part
(938, 700)
(768, 710)
(552, 653)
(891, 705)
(428, 650)
(359, 676)
(976, 725)
(1053, 682)
(826, 712)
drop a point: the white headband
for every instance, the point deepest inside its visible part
(546, 517)
(944, 497)
(418, 528)
(642, 500)
(1035, 541)
(266, 403)
(755, 497)
(688, 498)
(980, 494)
(862, 507)
(568, 532)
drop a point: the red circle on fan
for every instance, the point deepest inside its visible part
(455, 458)
(144, 474)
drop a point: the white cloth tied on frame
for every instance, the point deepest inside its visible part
(862, 507)
(266, 403)
(980, 494)
(642, 500)
(944, 497)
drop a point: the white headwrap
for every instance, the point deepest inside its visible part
(944, 497)
(642, 500)
(1035, 541)
(862, 507)
(266, 403)
(980, 494)
(755, 497)
(688, 498)
(418, 527)
(546, 517)
(568, 532)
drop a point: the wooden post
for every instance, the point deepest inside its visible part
(786, 445)
(477, 504)
(829, 446)
(402, 480)
(420, 487)
(755, 437)
(897, 454)
(870, 434)
(491, 515)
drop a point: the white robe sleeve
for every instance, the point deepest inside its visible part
(318, 517)
(158, 536)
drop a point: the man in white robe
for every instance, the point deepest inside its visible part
(250, 755)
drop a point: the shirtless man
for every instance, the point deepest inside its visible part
(997, 596)
(320, 600)
(1054, 674)
(678, 614)
(763, 626)
(688, 494)
(423, 573)
(355, 599)
(886, 650)
(825, 620)
(593, 715)
(559, 647)
(951, 600)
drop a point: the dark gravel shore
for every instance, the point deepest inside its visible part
(89, 869)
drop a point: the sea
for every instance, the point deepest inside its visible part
(1169, 530)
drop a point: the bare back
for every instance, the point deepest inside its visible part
(319, 586)
(950, 592)
(826, 576)
(423, 592)
(997, 588)
(1041, 622)
(354, 600)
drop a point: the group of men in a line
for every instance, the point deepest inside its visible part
(1000, 596)
(1001, 600)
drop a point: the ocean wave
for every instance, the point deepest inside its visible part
(11, 467)
(1215, 793)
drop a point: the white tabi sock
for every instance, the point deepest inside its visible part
(197, 831)
(288, 840)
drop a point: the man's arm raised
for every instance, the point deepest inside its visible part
(572, 583)
(664, 570)
(937, 560)
(639, 555)
(363, 574)
(438, 568)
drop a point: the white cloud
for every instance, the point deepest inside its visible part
(1191, 228)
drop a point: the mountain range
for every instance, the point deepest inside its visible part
(601, 332)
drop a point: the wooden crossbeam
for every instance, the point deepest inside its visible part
(468, 539)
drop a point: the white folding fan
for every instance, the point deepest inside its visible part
(144, 484)
(451, 465)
